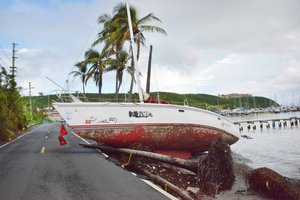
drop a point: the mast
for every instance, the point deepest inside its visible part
(135, 65)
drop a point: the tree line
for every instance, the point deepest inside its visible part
(12, 107)
(108, 52)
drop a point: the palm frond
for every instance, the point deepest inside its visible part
(153, 29)
(147, 18)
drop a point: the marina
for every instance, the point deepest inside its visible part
(277, 148)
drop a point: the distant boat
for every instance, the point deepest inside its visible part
(153, 126)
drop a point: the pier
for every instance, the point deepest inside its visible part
(268, 123)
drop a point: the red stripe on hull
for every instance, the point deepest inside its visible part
(174, 137)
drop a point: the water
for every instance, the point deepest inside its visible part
(278, 149)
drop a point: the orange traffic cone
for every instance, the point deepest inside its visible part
(62, 140)
(63, 130)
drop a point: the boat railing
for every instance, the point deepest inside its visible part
(123, 99)
(136, 100)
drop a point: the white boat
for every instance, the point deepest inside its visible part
(153, 127)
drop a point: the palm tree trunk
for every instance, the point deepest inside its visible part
(191, 165)
(117, 73)
(100, 81)
(120, 80)
(83, 82)
(117, 81)
(131, 88)
(100, 89)
(131, 83)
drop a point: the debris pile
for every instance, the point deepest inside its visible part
(207, 176)
(272, 184)
(215, 171)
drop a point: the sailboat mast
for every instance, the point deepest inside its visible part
(135, 65)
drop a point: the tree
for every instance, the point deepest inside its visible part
(115, 33)
(119, 68)
(81, 72)
(98, 62)
(139, 27)
(4, 78)
(12, 107)
(111, 36)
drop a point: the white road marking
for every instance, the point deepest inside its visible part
(134, 174)
(104, 154)
(160, 190)
(80, 138)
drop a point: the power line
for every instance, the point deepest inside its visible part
(2, 62)
(4, 53)
(4, 43)
(105, 7)
(4, 34)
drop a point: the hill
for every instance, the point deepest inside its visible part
(205, 101)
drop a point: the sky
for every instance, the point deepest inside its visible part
(212, 46)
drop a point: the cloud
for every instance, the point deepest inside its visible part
(212, 46)
(35, 64)
(289, 78)
(166, 79)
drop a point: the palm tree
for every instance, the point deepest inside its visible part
(139, 26)
(119, 68)
(115, 33)
(97, 62)
(111, 36)
(81, 72)
(124, 57)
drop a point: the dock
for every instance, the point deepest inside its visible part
(268, 123)
(266, 120)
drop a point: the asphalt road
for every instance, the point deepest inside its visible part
(35, 166)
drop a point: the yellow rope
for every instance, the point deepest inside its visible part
(128, 162)
(166, 187)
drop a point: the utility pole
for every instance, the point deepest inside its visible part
(30, 101)
(13, 67)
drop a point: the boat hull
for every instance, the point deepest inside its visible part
(171, 137)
